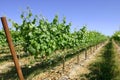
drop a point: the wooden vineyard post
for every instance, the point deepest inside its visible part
(91, 50)
(78, 59)
(12, 50)
(85, 53)
(96, 46)
(63, 64)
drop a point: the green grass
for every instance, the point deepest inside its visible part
(117, 63)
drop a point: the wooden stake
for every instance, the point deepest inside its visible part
(78, 59)
(85, 54)
(12, 50)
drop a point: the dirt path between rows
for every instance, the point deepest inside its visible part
(7, 65)
(72, 69)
